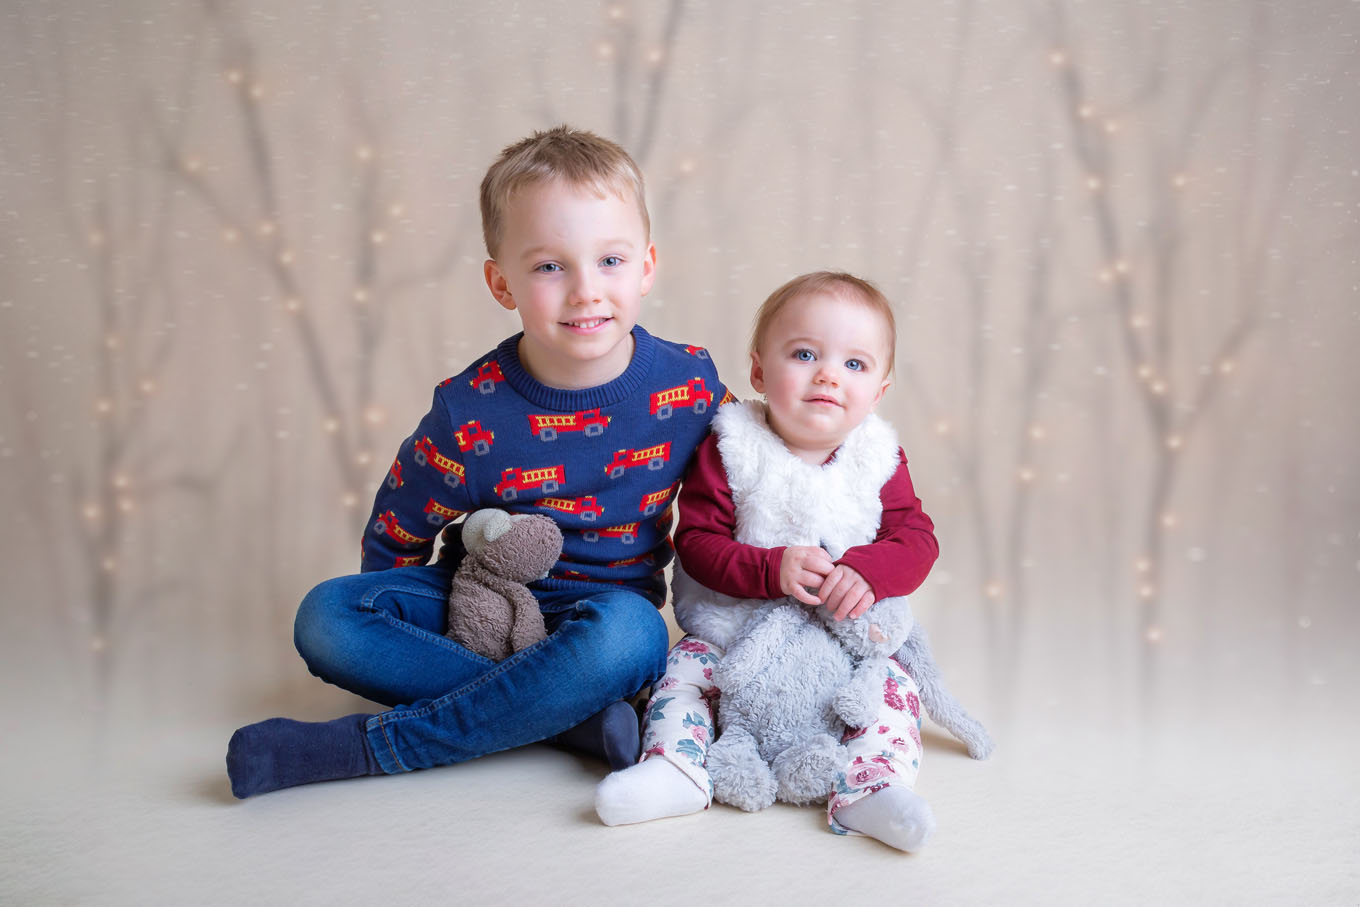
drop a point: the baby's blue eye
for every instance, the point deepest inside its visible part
(804, 355)
(611, 261)
(855, 365)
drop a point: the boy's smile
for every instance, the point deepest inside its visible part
(822, 369)
(575, 266)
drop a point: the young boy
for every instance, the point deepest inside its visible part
(775, 485)
(583, 417)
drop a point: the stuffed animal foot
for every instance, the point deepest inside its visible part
(740, 777)
(807, 770)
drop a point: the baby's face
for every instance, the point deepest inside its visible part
(822, 366)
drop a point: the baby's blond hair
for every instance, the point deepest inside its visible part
(575, 156)
(847, 286)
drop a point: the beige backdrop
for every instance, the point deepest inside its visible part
(240, 246)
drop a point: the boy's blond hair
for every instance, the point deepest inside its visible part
(846, 286)
(575, 156)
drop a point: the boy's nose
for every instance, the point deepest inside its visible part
(584, 289)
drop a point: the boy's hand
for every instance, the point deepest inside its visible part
(845, 593)
(802, 567)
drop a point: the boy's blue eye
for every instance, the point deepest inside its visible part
(804, 355)
(611, 261)
(548, 267)
(855, 365)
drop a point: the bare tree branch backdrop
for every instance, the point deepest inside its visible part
(242, 244)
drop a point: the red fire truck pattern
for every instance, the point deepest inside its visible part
(692, 394)
(428, 455)
(655, 457)
(386, 523)
(587, 508)
(549, 425)
(394, 475)
(409, 560)
(488, 376)
(436, 514)
(546, 479)
(471, 436)
(627, 533)
(697, 352)
(656, 500)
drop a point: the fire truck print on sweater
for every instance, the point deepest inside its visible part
(604, 462)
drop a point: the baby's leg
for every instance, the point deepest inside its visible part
(678, 727)
(873, 796)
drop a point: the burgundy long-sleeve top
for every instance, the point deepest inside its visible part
(896, 562)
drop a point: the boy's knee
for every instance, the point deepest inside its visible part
(633, 636)
(315, 627)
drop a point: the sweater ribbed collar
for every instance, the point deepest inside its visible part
(564, 400)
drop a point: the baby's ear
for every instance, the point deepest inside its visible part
(496, 283)
(758, 375)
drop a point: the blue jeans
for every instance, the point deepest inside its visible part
(380, 635)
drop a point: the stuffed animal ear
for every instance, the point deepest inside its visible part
(482, 527)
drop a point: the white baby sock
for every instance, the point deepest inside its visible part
(896, 816)
(653, 789)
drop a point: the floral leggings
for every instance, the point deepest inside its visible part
(679, 726)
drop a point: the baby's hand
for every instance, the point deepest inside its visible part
(802, 567)
(845, 593)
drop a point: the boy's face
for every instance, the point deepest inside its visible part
(822, 366)
(575, 266)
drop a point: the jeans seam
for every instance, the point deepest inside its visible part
(366, 604)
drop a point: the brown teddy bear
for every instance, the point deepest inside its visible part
(491, 611)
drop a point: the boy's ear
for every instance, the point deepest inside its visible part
(648, 268)
(758, 374)
(495, 282)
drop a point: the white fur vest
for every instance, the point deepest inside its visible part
(782, 500)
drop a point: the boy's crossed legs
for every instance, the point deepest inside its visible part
(872, 794)
(380, 635)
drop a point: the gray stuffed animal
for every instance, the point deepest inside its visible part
(491, 611)
(792, 682)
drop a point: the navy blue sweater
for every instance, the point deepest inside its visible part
(604, 462)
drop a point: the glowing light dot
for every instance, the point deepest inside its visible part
(230, 236)
(108, 565)
(98, 644)
(361, 295)
(1111, 127)
(617, 12)
(267, 228)
(1154, 634)
(1138, 322)
(1226, 366)
(1142, 565)
(1179, 180)
(1305, 622)
(257, 91)
(992, 589)
(364, 153)
(1093, 183)
(688, 165)
(1147, 590)
(375, 415)
(363, 458)
(942, 427)
(1038, 432)
(1026, 474)
(396, 210)
(292, 305)
(147, 386)
(286, 257)
(235, 76)
(655, 56)
(331, 425)
(113, 341)
(1106, 275)
(1159, 387)
(350, 500)
(103, 406)
(605, 50)
(191, 164)
(1057, 57)
(1170, 520)
(125, 505)
(1085, 111)
(1121, 266)
(121, 481)
(1175, 442)
(378, 237)
(96, 238)
(1144, 372)
(91, 512)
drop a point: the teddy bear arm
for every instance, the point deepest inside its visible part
(528, 627)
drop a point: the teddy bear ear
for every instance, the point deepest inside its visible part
(482, 527)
